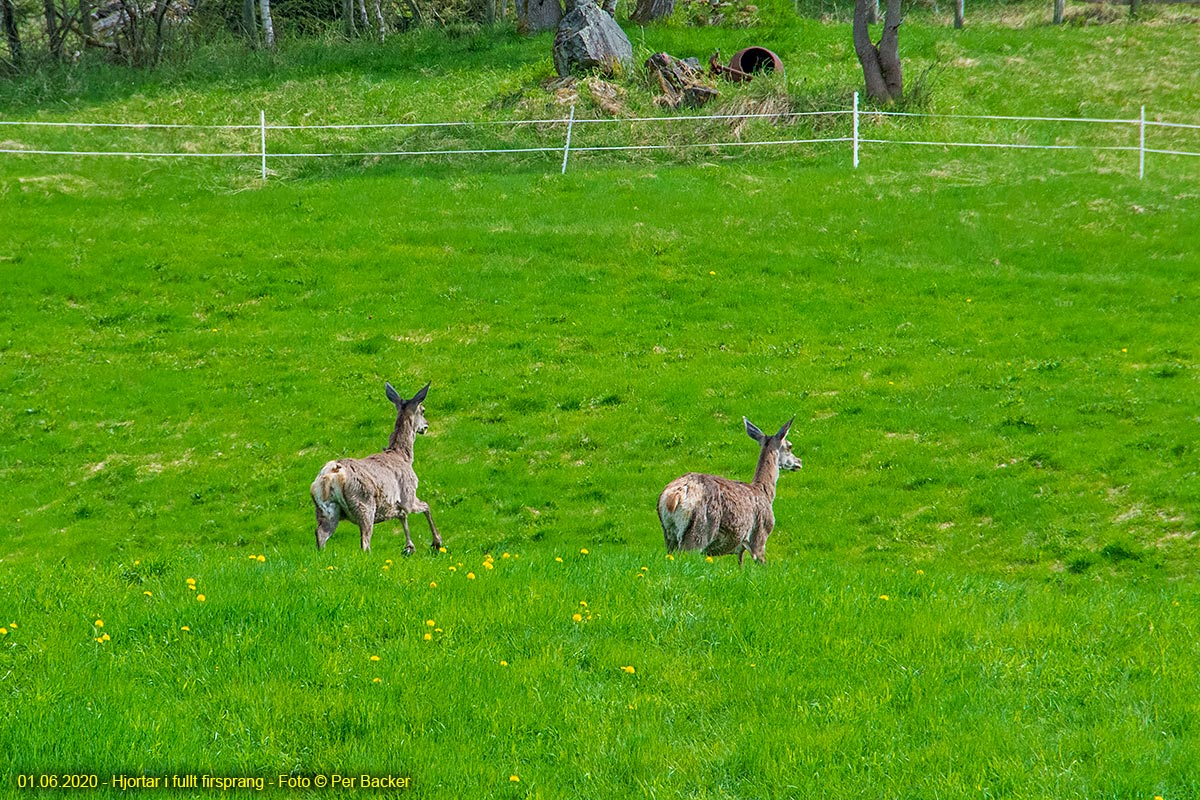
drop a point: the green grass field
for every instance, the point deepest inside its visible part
(980, 585)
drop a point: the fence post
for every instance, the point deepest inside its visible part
(854, 124)
(567, 147)
(262, 126)
(1142, 145)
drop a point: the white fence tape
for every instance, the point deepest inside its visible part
(575, 125)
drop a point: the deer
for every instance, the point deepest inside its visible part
(720, 516)
(380, 487)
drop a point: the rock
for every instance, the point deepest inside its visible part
(682, 82)
(589, 38)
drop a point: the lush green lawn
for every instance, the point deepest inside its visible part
(980, 585)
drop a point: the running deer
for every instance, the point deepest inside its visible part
(720, 516)
(379, 487)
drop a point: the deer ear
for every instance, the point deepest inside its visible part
(393, 395)
(783, 432)
(753, 432)
(419, 397)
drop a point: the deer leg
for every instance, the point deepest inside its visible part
(699, 533)
(365, 511)
(327, 522)
(758, 543)
(408, 545)
(435, 542)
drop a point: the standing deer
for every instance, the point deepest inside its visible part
(720, 516)
(379, 487)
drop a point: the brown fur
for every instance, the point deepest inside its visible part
(720, 516)
(379, 487)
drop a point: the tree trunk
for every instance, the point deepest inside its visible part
(880, 63)
(249, 26)
(650, 10)
(1058, 11)
(53, 36)
(377, 7)
(160, 18)
(85, 19)
(9, 14)
(268, 24)
(538, 15)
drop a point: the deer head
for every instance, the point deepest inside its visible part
(410, 414)
(786, 459)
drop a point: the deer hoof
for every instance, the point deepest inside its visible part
(408, 550)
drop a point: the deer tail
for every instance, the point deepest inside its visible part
(674, 515)
(328, 488)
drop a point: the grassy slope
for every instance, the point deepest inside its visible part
(992, 359)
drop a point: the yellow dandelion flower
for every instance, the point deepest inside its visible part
(884, 597)
(137, 562)
(708, 559)
(148, 593)
(670, 557)
(513, 779)
(12, 625)
(200, 598)
(330, 568)
(488, 565)
(377, 680)
(437, 630)
(105, 638)
(430, 623)
(374, 658)
(428, 637)
(3, 631)
(185, 628)
(710, 272)
(577, 617)
(645, 569)
(433, 584)
(583, 603)
(470, 576)
(190, 581)
(583, 551)
(503, 663)
(388, 561)
(920, 572)
(387, 567)
(558, 559)
(453, 568)
(99, 640)
(253, 557)
(441, 550)
(506, 555)
(99, 623)
(640, 575)
(261, 559)
(628, 670)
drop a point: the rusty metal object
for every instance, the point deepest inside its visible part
(745, 63)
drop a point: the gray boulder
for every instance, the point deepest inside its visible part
(589, 38)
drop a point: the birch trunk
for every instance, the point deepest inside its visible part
(377, 7)
(268, 24)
